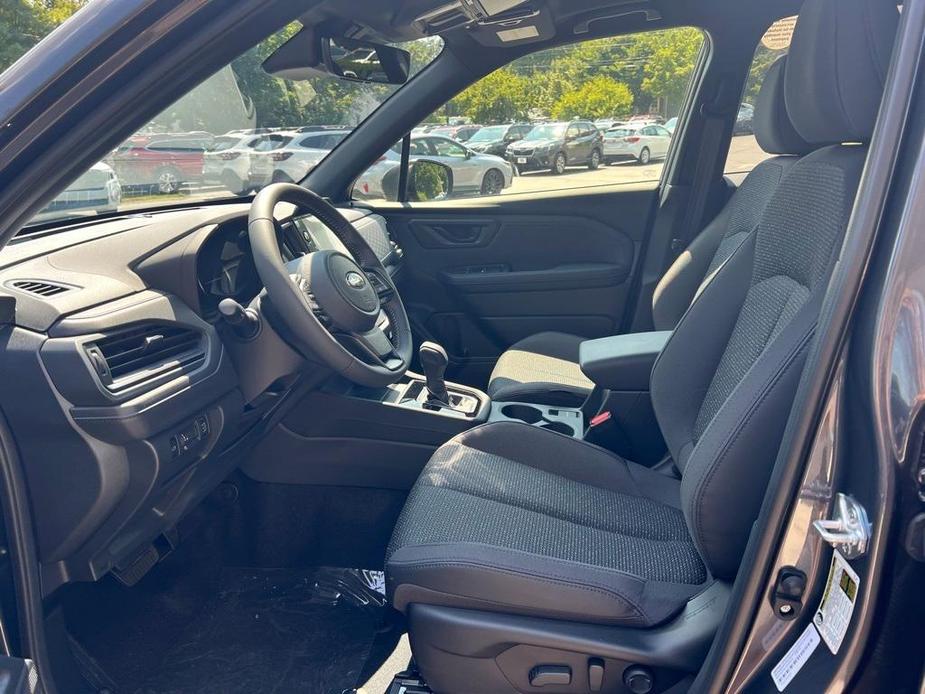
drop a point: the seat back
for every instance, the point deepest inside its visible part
(723, 386)
(695, 267)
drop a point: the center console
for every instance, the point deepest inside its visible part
(562, 420)
(348, 435)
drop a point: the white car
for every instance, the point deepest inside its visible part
(292, 162)
(640, 142)
(98, 190)
(234, 162)
(473, 173)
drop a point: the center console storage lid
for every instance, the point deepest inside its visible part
(622, 362)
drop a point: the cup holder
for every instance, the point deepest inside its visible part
(524, 413)
(558, 427)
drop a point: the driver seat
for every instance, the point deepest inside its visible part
(528, 561)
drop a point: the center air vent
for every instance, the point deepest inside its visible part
(144, 353)
(40, 287)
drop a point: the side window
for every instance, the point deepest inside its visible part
(523, 114)
(744, 152)
(448, 148)
(419, 148)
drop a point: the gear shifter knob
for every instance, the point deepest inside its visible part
(434, 361)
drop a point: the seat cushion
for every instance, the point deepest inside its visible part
(512, 518)
(542, 368)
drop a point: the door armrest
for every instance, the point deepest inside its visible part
(622, 362)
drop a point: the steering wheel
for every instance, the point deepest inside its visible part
(337, 308)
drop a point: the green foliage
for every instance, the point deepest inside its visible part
(610, 77)
(23, 23)
(651, 72)
(764, 57)
(599, 97)
(498, 98)
(668, 59)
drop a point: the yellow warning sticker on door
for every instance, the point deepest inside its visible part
(834, 613)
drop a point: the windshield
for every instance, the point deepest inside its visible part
(495, 132)
(222, 138)
(550, 131)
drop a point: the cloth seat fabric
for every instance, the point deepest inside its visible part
(516, 520)
(544, 524)
(543, 368)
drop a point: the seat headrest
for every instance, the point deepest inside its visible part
(773, 129)
(837, 68)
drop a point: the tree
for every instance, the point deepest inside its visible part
(668, 59)
(23, 23)
(600, 97)
(498, 98)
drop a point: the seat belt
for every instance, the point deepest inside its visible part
(715, 114)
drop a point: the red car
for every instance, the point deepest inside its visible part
(160, 163)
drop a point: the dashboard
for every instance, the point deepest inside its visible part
(127, 398)
(225, 266)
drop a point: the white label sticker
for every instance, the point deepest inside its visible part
(834, 613)
(794, 659)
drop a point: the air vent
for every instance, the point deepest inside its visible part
(41, 287)
(144, 353)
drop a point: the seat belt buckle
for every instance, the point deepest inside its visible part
(600, 418)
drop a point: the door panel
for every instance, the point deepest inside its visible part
(479, 275)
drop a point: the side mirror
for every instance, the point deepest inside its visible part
(429, 180)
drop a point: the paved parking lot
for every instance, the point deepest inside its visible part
(744, 153)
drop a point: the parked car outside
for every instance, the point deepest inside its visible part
(473, 173)
(494, 139)
(555, 146)
(671, 124)
(317, 128)
(160, 163)
(640, 142)
(460, 133)
(293, 161)
(262, 164)
(96, 191)
(646, 119)
(227, 163)
(744, 120)
(604, 124)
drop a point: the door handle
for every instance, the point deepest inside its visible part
(459, 234)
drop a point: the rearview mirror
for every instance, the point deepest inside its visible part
(362, 61)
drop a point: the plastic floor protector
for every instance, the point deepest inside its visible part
(277, 630)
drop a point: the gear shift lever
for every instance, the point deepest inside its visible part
(433, 361)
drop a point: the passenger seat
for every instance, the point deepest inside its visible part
(543, 368)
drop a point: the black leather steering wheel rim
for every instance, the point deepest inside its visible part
(341, 340)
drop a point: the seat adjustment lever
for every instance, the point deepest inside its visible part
(548, 675)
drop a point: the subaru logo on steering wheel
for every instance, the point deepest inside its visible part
(355, 280)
